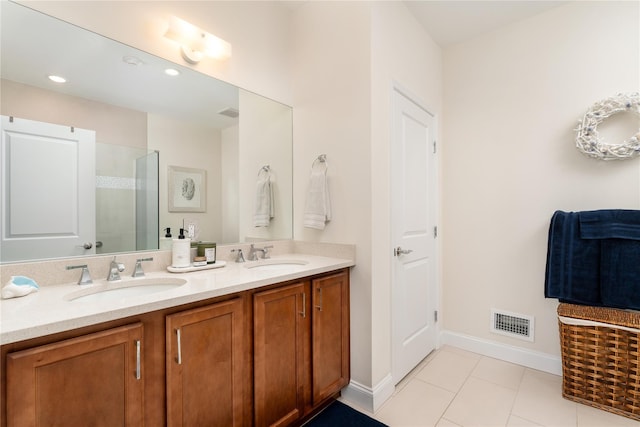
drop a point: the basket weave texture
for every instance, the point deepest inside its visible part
(601, 363)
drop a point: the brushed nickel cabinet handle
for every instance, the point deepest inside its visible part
(179, 347)
(319, 306)
(138, 376)
(304, 305)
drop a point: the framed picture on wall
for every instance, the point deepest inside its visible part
(187, 189)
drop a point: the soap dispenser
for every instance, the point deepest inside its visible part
(165, 242)
(181, 251)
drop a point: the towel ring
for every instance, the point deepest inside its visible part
(322, 158)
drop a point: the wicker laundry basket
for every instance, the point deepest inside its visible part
(601, 357)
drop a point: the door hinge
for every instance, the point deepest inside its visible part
(435, 231)
(434, 147)
(435, 316)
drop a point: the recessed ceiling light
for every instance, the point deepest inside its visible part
(57, 79)
(171, 72)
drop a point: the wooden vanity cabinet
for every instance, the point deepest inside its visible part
(205, 365)
(94, 379)
(281, 325)
(301, 348)
(330, 335)
(269, 356)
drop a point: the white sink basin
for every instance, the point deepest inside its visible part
(278, 265)
(120, 290)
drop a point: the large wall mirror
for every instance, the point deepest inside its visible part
(125, 150)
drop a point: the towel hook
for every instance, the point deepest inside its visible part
(322, 158)
(265, 168)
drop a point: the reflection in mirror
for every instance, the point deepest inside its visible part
(144, 121)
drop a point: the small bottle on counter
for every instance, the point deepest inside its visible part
(207, 250)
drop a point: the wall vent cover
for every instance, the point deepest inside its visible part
(229, 112)
(512, 324)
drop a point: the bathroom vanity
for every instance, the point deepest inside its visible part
(236, 346)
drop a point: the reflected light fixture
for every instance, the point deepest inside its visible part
(196, 43)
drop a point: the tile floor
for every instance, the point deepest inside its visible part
(453, 387)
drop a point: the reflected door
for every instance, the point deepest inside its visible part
(60, 219)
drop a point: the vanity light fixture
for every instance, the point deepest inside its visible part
(57, 79)
(196, 43)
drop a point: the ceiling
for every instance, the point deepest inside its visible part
(452, 21)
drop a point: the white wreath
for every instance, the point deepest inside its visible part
(588, 140)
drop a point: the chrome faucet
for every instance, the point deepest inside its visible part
(115, 268)
(85, 277)
(253, 252)
(137, 270)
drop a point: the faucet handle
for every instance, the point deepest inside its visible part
(240, 257)
(137, 270)
(265, 252)
(85, 277)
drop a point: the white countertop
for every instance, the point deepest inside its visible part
(50, 311)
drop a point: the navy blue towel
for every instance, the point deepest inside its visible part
(610, 224)
(573, 264)
(620, 273)
(593, 258)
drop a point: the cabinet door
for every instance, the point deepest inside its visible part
(93, 380)
(281, 337)
(205, 365)
(330, 335)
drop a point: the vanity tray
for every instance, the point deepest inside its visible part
(217, 264)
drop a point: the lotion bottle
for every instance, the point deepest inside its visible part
(181, 251)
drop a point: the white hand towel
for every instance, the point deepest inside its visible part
(317, 210)
(264, 209)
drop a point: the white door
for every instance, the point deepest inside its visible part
(413, 216)
(48, 200)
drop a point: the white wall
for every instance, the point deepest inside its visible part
(264, 138)
(332, 116)
(230, 192)
(113, 125)
(512, 100)
(169, 136)
(347, 57)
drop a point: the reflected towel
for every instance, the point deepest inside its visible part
(317, 210)
(264, 209)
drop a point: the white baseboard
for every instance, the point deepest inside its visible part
(531, 359)
(369, 399)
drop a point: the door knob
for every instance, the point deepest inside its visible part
(87, 245)
(399, 251)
